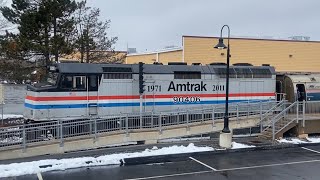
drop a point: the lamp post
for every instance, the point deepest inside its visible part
(221, 45)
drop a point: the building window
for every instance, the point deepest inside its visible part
(187, 75)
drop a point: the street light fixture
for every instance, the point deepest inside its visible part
(221, 45)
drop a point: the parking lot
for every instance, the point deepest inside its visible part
(290, 163)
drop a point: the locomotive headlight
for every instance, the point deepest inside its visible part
(52, 68)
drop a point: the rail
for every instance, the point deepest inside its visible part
(61, 130)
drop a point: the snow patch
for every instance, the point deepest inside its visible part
(183, 139)
(11, 116)
(18, 169)
(298, 141)
(236, 145)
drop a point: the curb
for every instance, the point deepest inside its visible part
(184, 156)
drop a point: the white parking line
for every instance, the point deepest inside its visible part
(170, 175)
(39, 176)
(310, 150)
(203, 164)
(268, 165)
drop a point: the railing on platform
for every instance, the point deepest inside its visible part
(297, 111)
(60, 130)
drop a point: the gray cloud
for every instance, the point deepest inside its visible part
(153, 24)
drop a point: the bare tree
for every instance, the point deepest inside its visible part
(92, 42)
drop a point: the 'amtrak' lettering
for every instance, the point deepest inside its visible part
(187, 87)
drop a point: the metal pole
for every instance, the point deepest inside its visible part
(24, 138)
(127, 125)
(61, 133)
(95, 129)
(304, 113)
(238, 112)
(2, 101)
(213, 112)
(273, 130)
(160, 126)
(226, 117)
(297, 104)
(261, 117)
(2, 104)
(141, 104)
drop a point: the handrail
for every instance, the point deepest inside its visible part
(284, 111)
(272, 109)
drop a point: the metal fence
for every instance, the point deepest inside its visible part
(61, 130)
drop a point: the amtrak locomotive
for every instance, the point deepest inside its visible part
(81, 90)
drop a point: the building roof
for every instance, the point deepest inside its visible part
(155, 52)
(247, 38)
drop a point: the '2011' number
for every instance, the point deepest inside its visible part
(218, 88)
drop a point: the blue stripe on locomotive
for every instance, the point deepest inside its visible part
(62, 106)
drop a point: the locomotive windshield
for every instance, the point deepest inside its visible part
(52, 78)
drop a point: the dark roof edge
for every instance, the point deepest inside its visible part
(239, 38)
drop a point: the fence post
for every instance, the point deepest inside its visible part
(237, 112)
(61, 133)
(95, 129)
(127, 125)
(304, 113)
(248, 109)
(160, 123)
(261, 117)
(90, 125)
(187, 120)
(24, 139)
(140, 120)
(152, 119)
(273, 129)
(213, 114)
(297, 104)
(202, 116)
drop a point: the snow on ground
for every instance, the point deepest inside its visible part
(299, 141)
(184, 139)
(10, 116)
(236, 145)
(18, 169)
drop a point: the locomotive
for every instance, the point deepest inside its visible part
(75, 90)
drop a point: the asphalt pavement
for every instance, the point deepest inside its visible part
(285, 164)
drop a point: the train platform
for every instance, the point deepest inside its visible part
(298, 162)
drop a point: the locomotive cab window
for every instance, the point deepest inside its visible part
(79, 82)
(73, 82)
(66, 82)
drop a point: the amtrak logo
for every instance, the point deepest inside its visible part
(187, 86)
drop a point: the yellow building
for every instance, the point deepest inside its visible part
(284, 55)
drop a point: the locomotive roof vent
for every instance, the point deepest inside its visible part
(177, 63)
(242, 64)
(196, 64)
(265, 64)
(157, 63)
(218, 64)
(117, 69)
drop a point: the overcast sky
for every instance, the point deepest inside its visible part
(154, 24)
